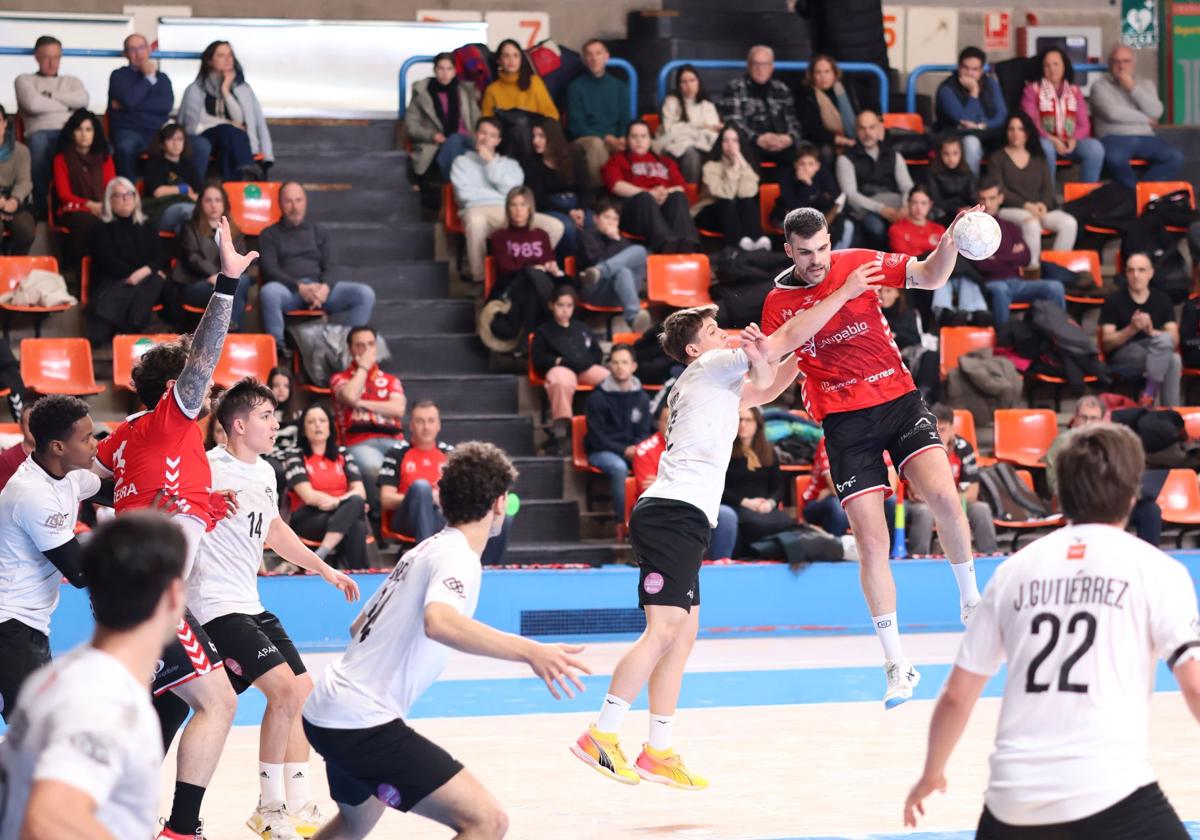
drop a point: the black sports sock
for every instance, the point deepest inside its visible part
(172, 711)
(185, 810)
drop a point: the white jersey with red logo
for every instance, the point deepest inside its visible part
(853, 362)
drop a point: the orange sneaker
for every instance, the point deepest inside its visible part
(602, 753)
(667, 768)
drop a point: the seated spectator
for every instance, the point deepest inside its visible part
(482, 181)
(1058, 109)
(299, 269)
(222, 117)
(613, 268)
(729, 202)
(129, 266)
(1126, 110)
(875, 179)
(370, 406)
(754, 483)
(952, 185)
(919, 521)
(655, 207)
(1001, 271)
(517, 85)
(82, 169)
(914, 233)
(195, 271)
(282, 383)
(140, 100)
(16, 454)
(46, 101)
(971, 104)
(326, 493)
(810, 184)
(597, 113)
(566, 355)
(408, 483)
(440, 118)
(1023, 175)
(1139, 334)
(764, 108)
(648, 453)
(688, 124)
(828, 108)
(16, 190)
(618, 418)
(168, 183)
(551, 174)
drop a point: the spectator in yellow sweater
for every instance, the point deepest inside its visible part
(517, 85)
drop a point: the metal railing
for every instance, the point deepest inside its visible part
(74, 52)
(921, 70)
(848, 67)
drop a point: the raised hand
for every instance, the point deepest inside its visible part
(233, 264)
(862, 279)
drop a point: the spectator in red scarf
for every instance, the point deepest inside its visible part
(1058, 109)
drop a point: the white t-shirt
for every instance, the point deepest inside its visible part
(225, 578)
(84, 720)
(390, 661)
(704, 406)
(37, 513)
(1081, 616)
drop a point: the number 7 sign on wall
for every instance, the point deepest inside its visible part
(526, 28)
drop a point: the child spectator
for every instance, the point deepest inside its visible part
(566, 355)
(730, 203)
(614, 269)
(170, 181)
(952, 185)
(810, 184)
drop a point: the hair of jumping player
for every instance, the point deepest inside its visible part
(128, 564)
(332, 446)
(805, 222)
(53, 417)
(680, 328)
(1099, 472)
(158, 366)
(356, 330)
(942, 413)
(245, 395)
(476, 474)
(760, 453)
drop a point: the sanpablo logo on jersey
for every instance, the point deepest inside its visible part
(851, 331)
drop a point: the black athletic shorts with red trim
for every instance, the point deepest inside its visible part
(856, 441)
(251, 645)
(191, 655)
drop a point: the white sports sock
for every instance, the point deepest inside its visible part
(964, 575)
(888, 631)
(295, 782)
(270, 781)
(660, 731)
(612, 713)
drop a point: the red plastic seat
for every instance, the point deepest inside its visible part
(126, 350)
(1023, 435)
(768, 194)
(907, 122)
(450, 218)
(1073, 190)
(58, 366)
(954, 342)
(964, 427)
(578, 454)
(245, 354)
(15, 269)
(1079, 262)
(653, 121)
(253, 205)
(678, 280)
(1179, 500)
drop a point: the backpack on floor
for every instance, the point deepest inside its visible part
(1008, 497)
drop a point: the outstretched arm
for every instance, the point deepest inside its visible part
(933, 271)
(284, 542)
(191, 388)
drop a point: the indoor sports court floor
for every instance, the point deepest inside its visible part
(790, 730)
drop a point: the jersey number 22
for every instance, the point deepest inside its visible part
(1032, 686)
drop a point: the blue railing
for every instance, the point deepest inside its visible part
(921, 70)
(619, 63)
(73, 52)
(848, 67)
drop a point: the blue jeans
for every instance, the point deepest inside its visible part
(1006, 292)
(613, 465)
(1164, 159)
(847, 235)
(348, 303)
(724, 536)
(201, 152)
(368, 454)
(827, 513)
(970, 296)
(622, 279)
(198, 292)
(1089, 154)
(128, 143)
(41, 163)
(873, 231)
(419, 517)
(972, 148)
(454, 146)
(176, 216)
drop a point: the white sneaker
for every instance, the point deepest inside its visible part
(968, 610)
(308, 820)
(849, 548)
(271, 821)
(763, 243)
(746, 243)
(902, 678)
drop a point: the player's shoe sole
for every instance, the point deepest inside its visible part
(602, 762)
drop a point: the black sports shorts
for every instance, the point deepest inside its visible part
(1143, 815)
(22, 651)
(251, 645)
(670, 539)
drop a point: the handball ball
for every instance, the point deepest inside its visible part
(977, 236)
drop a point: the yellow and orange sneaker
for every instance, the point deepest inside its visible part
(602, 753)
(667, 768)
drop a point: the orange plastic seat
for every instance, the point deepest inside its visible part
(126, 350)
(245, 354)
(450, 218)
(1024, 435)
(1079, 262)
(578, 454)
(254, 205)
(1179, 501)
(653, 121)
(1073, 190)
(907, 122)
(385, 530)
(954, 342)
(1191, 419)
(58, 366)
(768, 194)
(964, 427)
(490, 276)
(625, 337)
(802, 483)
(1147, 191)
(678, 280)
(15, 269)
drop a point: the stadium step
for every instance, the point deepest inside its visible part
(408, 280)
(425, 317)
(546, 521)
(511, 432)
(545, 554)
(367, 168)
(291, 135)
(467, 394)
(374, 243)
(435, 354)
(361, 204)
(539, 478)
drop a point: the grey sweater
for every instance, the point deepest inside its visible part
(15, 174)
(291, 254)
(1030, 184)
(1122, 112)
(47, 102)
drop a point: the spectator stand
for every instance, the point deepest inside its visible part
(664, 75)
(922, 69)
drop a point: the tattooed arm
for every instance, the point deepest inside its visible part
(191, 387)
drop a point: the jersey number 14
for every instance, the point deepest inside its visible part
(256, 520)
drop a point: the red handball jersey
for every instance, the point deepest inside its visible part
(355, 425)
(157, 450)
(853, 362)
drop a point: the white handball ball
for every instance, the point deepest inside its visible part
(977, 235)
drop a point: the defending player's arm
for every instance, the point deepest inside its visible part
(284, 542)
(782, 374)
(933, 271)
(57, 809)
(1175, 625)
(805, 325)
(191, 388)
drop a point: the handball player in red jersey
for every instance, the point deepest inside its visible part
(856, 384)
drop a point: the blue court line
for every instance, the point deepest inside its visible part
(1192, 827)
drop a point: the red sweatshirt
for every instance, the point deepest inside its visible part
(907, 237)
(645, 171)
(68, 202)
(515, 248)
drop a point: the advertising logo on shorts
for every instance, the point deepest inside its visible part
(653, 583)
(233, 665)
(388, 795)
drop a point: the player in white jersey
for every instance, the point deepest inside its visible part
(223, 595)
(399, 644)
(1080, 616)
(83, 752)
(38, 510)
(672, 522)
